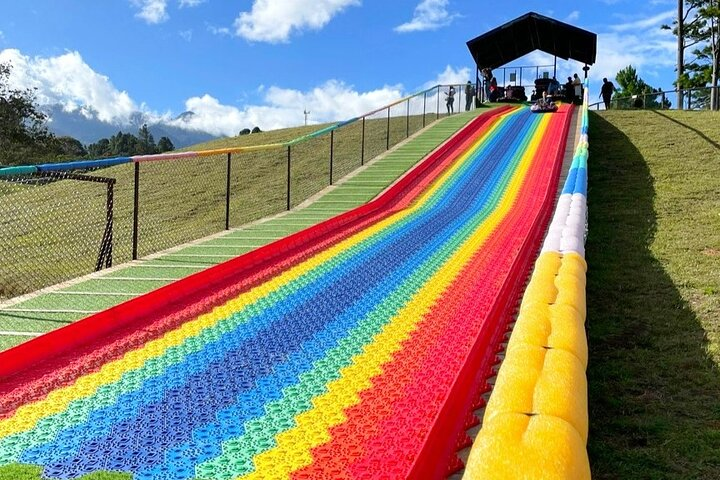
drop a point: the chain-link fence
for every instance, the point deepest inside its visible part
(61, 221)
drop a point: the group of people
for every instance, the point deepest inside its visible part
(469, 95)
(573, 91)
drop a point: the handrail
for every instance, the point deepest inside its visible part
(660, 92)
(105, 162)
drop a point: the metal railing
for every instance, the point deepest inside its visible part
(63, 220)
(699, 98)
(515, 76)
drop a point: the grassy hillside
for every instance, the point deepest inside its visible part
(654, 295)
(53, 232)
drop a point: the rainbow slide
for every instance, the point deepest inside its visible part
(357, 348)
(536, 422)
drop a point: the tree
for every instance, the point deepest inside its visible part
(100, 149)
(698, 27)
(256, 130)
(69, 148)
(244, 131)
(165, 145)
(124, 144)
(631, 85)
(24, 136)
(145, 141)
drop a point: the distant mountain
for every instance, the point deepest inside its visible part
(90, 130)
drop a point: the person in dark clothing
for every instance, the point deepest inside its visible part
(469, 95)
(487, 78)
(606, 92)
(570, 90)
(450, 99)
(494, 94)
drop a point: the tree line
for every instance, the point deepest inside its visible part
(127, 144)
(25, 138)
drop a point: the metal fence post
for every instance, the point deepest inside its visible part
(106, 247)
(407, 120)
(437, 112)
(424, 105)
(288, 177)
(136, 202)
(362, 143)
(387, 137)
(227, 193)
(332, 144)
(459, 105)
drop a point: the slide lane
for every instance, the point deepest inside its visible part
(342, 364)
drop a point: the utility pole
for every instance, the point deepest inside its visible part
(680, 52)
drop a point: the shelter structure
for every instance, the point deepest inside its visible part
(528, 33)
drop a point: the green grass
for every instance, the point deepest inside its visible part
(653, 295)
(53, 232)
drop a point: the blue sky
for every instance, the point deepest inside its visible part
(262, 61)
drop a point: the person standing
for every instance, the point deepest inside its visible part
(493, 95)
(487, 81)
(450, 100)
(553, 87)
(606, 92)
(569, 91)
(469, 95)
(577, 87)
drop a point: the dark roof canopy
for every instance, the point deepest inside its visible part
(532, 32)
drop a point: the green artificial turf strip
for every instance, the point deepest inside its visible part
(653, 251)
(34, 272)
(52, 232)
(31, 472)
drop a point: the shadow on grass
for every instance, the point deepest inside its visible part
(654, 392)
(684, 125)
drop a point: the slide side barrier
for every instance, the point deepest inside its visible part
(438, 457)
(536, 421)
(25, 364)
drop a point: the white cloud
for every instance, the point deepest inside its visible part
(186, 35)
(190, 3)
(331, 101)
(275, 21)
(428, 15)
(152, 11)
(573, 16)
(451, 76)
(644, 23)
(218, 30)
(2, 35)
(69, 81)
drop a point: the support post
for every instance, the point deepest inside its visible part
(106, 246)
(362, 143)
(387, 136)
(407, 120)
(227, 193)
(437, 112)
(424, 105)
(288, 177)
(136, 202)
(332, 144)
